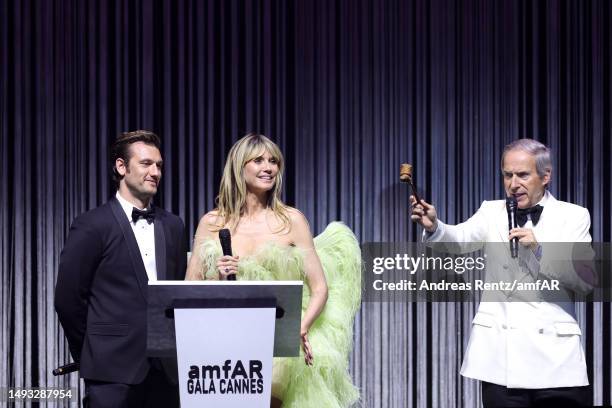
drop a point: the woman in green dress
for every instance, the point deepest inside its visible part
(272, 241)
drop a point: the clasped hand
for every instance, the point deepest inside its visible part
(227, 265)
(525, 237)
(424, 213)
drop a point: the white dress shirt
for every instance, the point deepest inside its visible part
(145, 237)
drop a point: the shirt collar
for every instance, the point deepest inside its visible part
(126, 205)
(544, 199)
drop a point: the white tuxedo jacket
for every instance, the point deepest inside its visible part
(533, 344)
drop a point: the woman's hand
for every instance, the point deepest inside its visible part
(308, 357)
(227, 265)
(315, 279)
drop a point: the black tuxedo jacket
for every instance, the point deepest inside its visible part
(101, 290)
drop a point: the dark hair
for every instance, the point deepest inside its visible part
(121, 148)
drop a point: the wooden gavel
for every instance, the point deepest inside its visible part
(406, 177)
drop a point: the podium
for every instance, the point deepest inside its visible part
(223, 336)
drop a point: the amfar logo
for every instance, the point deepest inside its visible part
(226, 379)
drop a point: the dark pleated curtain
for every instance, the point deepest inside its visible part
(349, 89)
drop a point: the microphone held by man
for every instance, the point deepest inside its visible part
(511, 207)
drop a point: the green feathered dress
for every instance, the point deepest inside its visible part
(326, 384)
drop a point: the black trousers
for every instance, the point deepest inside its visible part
(155, 391)
(494, 396)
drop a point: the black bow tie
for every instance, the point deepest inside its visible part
(534, 212)
(148, 215)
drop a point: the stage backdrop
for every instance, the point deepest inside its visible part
(349, 89)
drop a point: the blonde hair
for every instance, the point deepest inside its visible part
(231, 200)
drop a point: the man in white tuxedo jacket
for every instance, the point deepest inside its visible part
(525, 353)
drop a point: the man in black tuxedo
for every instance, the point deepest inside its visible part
(101, 294)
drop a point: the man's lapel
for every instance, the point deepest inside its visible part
(132, 245)
(546, 222)
(502, 224)
(511, 270)
(546, 229)
(160, 246)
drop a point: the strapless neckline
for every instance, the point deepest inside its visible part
(270, 261)
(210, 243)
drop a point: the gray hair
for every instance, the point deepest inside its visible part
(534, 148)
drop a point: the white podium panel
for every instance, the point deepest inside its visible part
(225, 356)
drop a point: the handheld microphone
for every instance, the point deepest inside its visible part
(511, 207)
(226, 245)
(66, 369)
